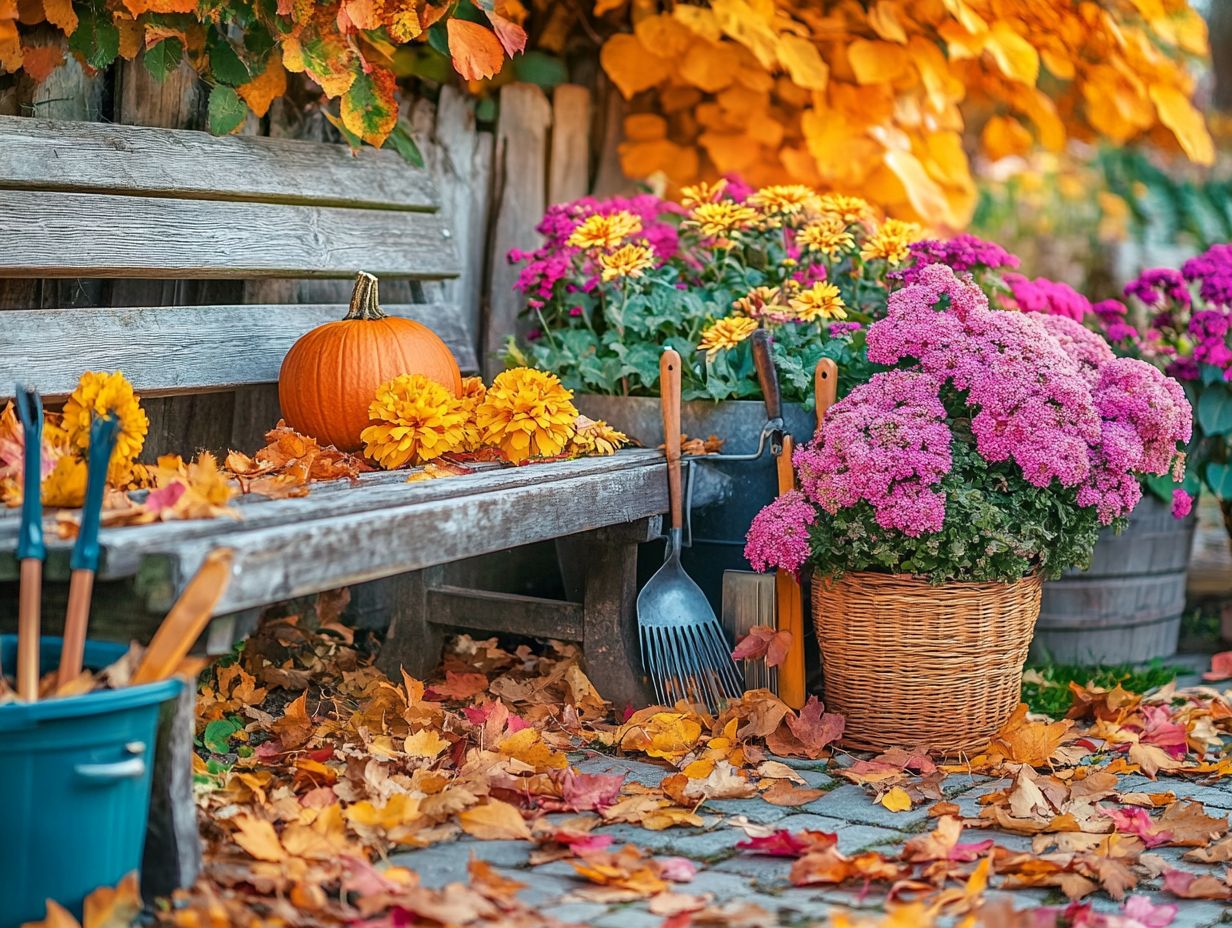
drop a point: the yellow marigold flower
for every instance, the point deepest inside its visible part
(784, 199)
(96, 395)
(526, 414)
(697, 194)
(829, 235)
(891, 241)
(820, 301)
(725, 334)
(415, 420)
(65, 486)
(849, 209)
(594, 436)
(628, 261)
(764, 303)
(473, 392)
(601, 232)
(718, 220)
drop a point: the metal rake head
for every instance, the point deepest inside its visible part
(690, 661)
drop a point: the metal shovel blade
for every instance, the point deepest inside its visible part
(683, 646)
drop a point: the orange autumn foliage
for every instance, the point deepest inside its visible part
(877, 97)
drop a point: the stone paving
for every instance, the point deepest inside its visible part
(729, 876)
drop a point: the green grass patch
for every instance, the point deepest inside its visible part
(1046, 688)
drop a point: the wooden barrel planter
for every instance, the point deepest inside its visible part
(1126, 608)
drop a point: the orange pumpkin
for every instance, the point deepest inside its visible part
(330, 376)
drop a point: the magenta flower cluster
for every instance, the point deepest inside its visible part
(778, 538)
(554, 260)
(1030, 401)
(1037, 391)
(962, 253)
(1212, 271)
(1144, 415)
(1189, 332)
(1086, 349)
(1050, 297)
(888, 444)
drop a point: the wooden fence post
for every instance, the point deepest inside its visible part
(569, 177)
(520, 167)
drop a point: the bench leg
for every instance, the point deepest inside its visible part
(172, 857)
(609, 638)
(412, 643)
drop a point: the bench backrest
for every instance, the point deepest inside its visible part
(88, 200)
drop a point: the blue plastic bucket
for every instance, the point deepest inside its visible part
(74, 786)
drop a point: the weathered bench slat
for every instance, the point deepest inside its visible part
(123, 549)
(286, 561)
(37, 154)
(166, 350)
(43, 235)
(500, 612)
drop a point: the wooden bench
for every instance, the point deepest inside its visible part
(91, 201)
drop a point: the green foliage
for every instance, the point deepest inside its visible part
(997, 527)
(226, 112)
(217, 735)
(1045, 689)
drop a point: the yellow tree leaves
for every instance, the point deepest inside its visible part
(875, 97)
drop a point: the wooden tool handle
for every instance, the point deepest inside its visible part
(187, 618)
(789, 603)
(767, 376)
(669, 391)
(825, 387)
(28, 628)
(72, 652)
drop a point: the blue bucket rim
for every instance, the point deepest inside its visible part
(19, 715)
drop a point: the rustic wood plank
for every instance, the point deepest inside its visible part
(570, 163)
(610, 636)
(297, 559)
(520, 168)
(165, 350)
(124, 549)
(461, 161)
(173, 845)
(176, 102)
(609, 175)
(412, 643)
(41, 154)
(47, 236)
(483, 610)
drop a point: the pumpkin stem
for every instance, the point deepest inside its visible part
(364, 300)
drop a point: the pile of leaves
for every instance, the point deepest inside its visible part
(313, 767)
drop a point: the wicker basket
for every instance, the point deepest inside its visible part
(910, 664)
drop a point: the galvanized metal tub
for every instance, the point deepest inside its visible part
(719, 527)
(1126, 608)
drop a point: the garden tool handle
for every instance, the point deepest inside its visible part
(187, 618)
(669, 393)
(84, 560)
(767, 376)
(789, 603)
(31, 551)
(825, 387)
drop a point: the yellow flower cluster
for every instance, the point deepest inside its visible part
(726, 333)
(415, 420)
(829, 235)
(473, 392)
(626, 261)
(591, 436)
(820, 301)
(603, 232)
(722, 219)
(526, 414)
(99, 394)
(891, 242)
